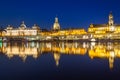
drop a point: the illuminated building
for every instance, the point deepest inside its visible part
(56, 25)
(105, 31)
(62, 34)
(21, 32)
(103, 28)
(95, 32)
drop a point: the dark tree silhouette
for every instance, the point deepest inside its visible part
(2, 30)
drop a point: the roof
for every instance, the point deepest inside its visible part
(35, 26)
(117, 25)
(98, 25)
(45, 30)
(23, 25)
(103, 25)
(72, 28)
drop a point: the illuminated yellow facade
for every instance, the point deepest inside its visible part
(69, 32)
(61, 34)
(35, 33)
(105, 28)
(95, 31)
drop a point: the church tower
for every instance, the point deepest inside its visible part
(111, 21)
(56, 25)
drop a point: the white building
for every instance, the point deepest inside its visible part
(22, 30)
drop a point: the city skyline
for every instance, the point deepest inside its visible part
(77, 14)
(51, 28)
(96, 32)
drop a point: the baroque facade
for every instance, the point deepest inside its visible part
(21, 31)
(103, 28)
(105, 31)
(109, 30)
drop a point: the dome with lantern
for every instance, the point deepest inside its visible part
(23, 26)
(35, 27)
(9, 27)
(56, 25)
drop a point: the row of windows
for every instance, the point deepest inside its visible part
(21, 31)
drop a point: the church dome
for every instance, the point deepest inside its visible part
(36, 27)
(23, 26)
(56, 25)
(9, 27)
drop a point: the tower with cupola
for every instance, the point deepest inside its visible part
(111, 22)
(56, 25)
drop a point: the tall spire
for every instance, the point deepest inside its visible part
(23, 22)
(111, 21)
(56, 20)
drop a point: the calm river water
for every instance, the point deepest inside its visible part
(59, 60)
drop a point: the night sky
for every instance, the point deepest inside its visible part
(71, 13)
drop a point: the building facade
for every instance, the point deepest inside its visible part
(109, 30)
(62, 34)
(103, 28)
(21, 31)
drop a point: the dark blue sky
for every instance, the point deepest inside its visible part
(71, 13)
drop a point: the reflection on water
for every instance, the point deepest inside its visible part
(109, 50)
